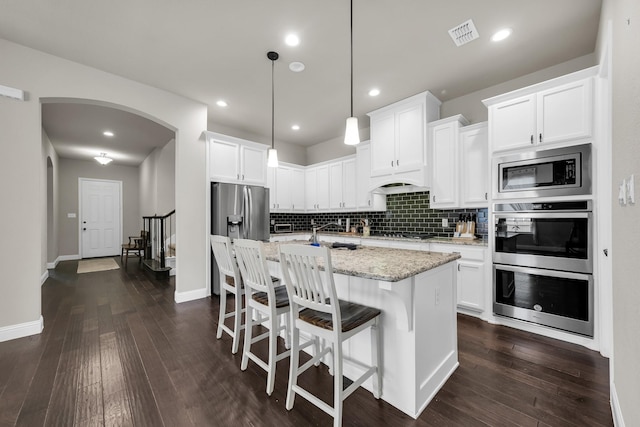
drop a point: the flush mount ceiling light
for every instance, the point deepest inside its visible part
(272, 154)
(501, 35)
(221, 103)
(103, 159)
(351, 134)
(296, 67)
(292, 40)
(108, 133)
(374, 92)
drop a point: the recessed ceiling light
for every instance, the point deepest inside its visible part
(295, 127)
(108, 133)
(501, 35)
(221, 103)
(374, 92)
(292, 40)
(296, 67)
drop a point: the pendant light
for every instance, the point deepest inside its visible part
(272, 154)
(103, 159)
(351, 134)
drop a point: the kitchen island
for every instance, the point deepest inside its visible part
(416, 293)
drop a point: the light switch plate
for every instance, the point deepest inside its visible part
(445, 222)
(71, 215)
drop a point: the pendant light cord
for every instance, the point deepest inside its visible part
(351, 31)
(272, 105)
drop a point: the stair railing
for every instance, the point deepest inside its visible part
(158, 245)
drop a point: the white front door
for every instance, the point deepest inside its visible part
(100, 214)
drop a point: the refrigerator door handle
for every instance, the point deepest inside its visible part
(246, 231)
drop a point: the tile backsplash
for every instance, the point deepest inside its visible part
(406, 213)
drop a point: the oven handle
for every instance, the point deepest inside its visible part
(544, 272)
(537, 215)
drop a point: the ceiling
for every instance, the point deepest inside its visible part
(209, 50)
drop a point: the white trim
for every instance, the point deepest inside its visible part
(616, 412)
(80, 181)
(20, 330)
(52, 265)
(67, 258)
(44, 277)
(180, 297)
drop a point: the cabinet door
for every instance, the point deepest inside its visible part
(513, 123)
(349, 179)
(363, 171)
(471, 285)
(253, 163)
(474, 170)
(322, 189)
(311, 190)
(335, 185)
(566, 112)
(283, 185)
(297, 190)
(224, 161)
(410, 138)
(383, 154)
(444, 179)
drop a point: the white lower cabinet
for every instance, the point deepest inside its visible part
(471, 275)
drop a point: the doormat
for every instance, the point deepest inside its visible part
(97, 264)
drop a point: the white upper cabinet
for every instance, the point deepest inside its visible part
(298, 190)
(342, 182)
(398, 139)
(236, 161)
(365, 199)
(286, 188)
(443, 140)
(474, 162)
(317, 188)
(552, 112)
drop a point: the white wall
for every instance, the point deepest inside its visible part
(46, 76)
(626, 239)
(69, 172)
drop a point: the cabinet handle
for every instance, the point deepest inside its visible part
(243, 177)
(485, 196)
(434, 198)
(458, 267)
(397, 162)
(532, 138)
(369, 202)
(540, 137)
(391, 163)
(238, 176)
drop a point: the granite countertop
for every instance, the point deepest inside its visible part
(445, 240)
(387, 264)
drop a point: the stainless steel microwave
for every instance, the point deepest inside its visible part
(555, 172)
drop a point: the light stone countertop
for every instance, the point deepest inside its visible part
(387, 264)
(445, 240)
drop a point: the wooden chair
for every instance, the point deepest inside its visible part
(316, 310)
(269, 301)
(230, 281)
(136, 244)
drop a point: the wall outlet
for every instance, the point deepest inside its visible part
(340, 222)
(313, 221)
(445, 222)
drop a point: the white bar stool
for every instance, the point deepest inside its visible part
(230, 281)
(313, 291)
(268, 300)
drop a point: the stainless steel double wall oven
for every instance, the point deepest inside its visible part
(543, 249)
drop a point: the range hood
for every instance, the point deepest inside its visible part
(399, 188)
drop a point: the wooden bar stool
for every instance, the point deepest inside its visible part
(269, 301)
(230, 281)
(328, 318)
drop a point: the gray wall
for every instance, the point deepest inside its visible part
(157, 181)
(626, 239)
(70, 171)
(49, 184)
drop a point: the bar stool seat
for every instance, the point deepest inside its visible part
(316, 310)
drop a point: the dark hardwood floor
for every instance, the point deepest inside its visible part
(117, 351)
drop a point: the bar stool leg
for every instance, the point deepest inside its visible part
(223, 308)
(237, 318)
(375, 358)
(247, 337)
(273, 347)
(338, 383)
(293, 368)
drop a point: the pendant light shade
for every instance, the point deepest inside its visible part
(351, 134)
(272, 154)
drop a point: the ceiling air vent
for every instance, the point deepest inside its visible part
(464, 33)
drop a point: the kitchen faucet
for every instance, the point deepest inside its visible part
(314, 235)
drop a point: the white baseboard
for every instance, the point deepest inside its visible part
(44, 277)
(67, 258)
(26, 329)
(618, 421)
(190, 295)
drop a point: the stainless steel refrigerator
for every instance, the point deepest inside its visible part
(238, 211)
